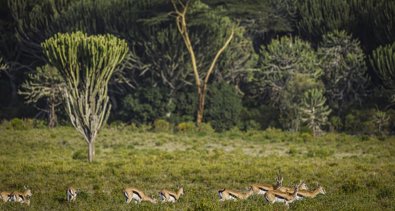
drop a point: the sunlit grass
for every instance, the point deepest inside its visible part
(357, 172)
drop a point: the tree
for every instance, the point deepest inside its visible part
(314, 111)
(288, 67)
(344, 70)
(180, 12)
(383, 62)
(45, 83)
(86, 64)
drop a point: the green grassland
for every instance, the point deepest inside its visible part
(358, 172)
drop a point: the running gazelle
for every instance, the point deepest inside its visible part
(136, 195)
(169, 196)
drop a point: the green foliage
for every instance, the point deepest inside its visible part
(381, 119)
(145, 105)
(186, 127)
(321, 16)
(344, 70)
(223, 106)
(22, 124)
(44, 84)
(86, 64)
(383, 62)
(370, 20)
(269, 15)
(368, 121)
(314, 111)
(344, 166)
(288, 68)
(336, 123)
(161, 125)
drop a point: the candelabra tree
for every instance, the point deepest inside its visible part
(314, 111)
(86, 63)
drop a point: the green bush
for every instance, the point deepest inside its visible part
(145, 105)
(206, 128)
(161, 125)
(23, 124)
(223, 106)
(185, 127)
(289, 67)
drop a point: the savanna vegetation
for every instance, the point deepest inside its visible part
(204, 94)
(356, 171)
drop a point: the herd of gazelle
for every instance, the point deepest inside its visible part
(271, 192)
(16, 196)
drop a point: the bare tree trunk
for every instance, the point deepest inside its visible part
(52, 118)
(91, 150)
(180, 11)
(202, 99)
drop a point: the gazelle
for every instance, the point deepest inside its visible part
(71, 194)
(136, 195)
(263, 187)
(169, 196)
(277, 196)
(226, 194)
(310, 194)
(5, 196)
(22, 197)
(302, 186)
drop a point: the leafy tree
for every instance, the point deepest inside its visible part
(223, 106)
(371, 21)
(145, 105)
(180, 12)
(317, 17)
(47, 84)
(288, 68)
(344, 70)
(381, 119)
(383, 62)
(86, 64)
(314, 111)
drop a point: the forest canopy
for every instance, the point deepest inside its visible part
(284, 59)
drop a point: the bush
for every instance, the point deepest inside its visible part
(223, 106)
(23, 124)
(186, 127)
(161, 125)
(145, 105)
(289, 67)
(206, 128)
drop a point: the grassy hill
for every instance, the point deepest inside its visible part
(358, 173)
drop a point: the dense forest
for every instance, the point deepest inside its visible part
(297, 65)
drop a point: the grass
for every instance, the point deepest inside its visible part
(357, 172)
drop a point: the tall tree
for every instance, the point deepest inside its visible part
(45, 83)
(344, 70)
(288, 67)
(314, 111)
(383, 62)
(86, 63)
(180, 12)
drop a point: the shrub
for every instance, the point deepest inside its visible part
(186, 127)
(23, 124)
(345, 70)
(18, 124)
(161, 125)
(335, 123)
(289, 67)
(223, 106)
(145, 105)
(206, 128)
